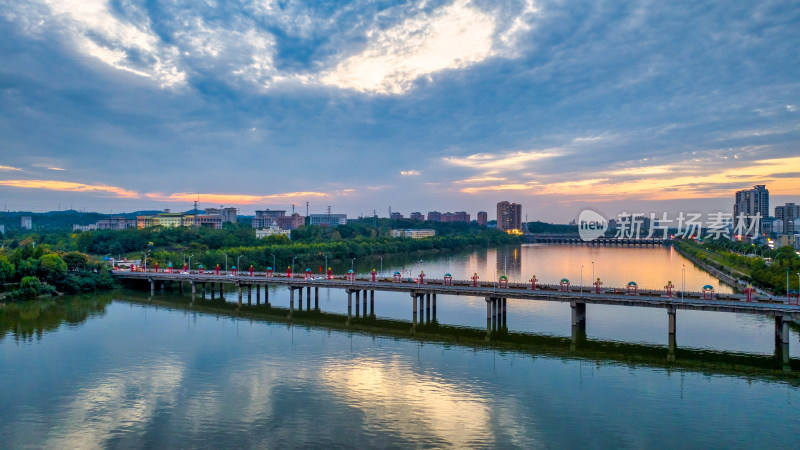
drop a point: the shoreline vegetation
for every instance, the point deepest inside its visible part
(729, 261)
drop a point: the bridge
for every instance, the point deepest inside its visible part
(423, 293)
(574, 238)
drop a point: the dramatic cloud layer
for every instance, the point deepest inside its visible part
(421, 105)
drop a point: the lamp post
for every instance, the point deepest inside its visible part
(381, 265)
(145, 266)
(190, 263)
(184, 258)
(581, 280)
(352, 265)
(683, 280)
(592, 270)
(237, 262)
(273, 261)
(326, 262)
(293, 258)
(226, 263)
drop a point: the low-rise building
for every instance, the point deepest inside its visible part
(395, 215)
(228, 214)
(414, 233)
(327, 220)
(26, 222)
(115, 223)
(272, 230)
(89, 227)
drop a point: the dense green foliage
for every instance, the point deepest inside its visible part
(543, 227)
(760, 265)
(40, 271)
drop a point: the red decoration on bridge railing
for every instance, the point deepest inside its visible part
(396, 277)
(533, 281)
(563, 285)
(503, 282)
(708, 292)
(169, 268)
(422, 277)
(749, 292)
(251, 270)
(793, 294)
(156, 267)
(235, 271)
(597, 285)
(669, 288)
(216, 269)
(309, 274)
(330, 273)
(632, 288)
(270, 272)
(448, 279)
(289, 272)
(185, 268)
(373, 274)
(200, 269)
(351, 276)
(475, 280)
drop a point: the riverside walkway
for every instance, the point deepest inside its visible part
(423, 293)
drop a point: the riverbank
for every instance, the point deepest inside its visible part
(725, 274)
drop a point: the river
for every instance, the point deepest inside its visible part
(123, 370)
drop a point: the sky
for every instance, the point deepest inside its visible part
(453, 105)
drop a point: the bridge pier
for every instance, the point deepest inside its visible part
(162, 286)
(249, 295)
(488, 318)
(221, 294)
(300, 298)
(239, 289)
(504, 312)
(266, 294)
(316, 298)
(152, 287)
(428, 307)
(782, 339)
(194, 287)
(671, 314)
(578, 314)
(212, 292)
(358, 302)
(365, 302)
(671, 347)
(258, 294)
(434, 308)
(291, 300)
(349, 304)
(372, 303)
(414, 309)
(308, 298)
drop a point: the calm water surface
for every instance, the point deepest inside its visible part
(122, 374)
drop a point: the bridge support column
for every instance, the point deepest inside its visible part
(266, 294)
(671, 314)
(258, 294)
(300, 298)
(364, 300)
(316, 298)
(434, 308)
(372, 303)
(428, 307)
(671, 347)
(291, 300)
(488, 318)
(358, 302)
(504, 312)
(349, 304)
(578, 314)
(414, 309)
(194, 287)
(249, 294)
(212, 291)
(495, 310)
(239, 289)
(203, 292)
(152, 287)
(221, 293)
(162, 286)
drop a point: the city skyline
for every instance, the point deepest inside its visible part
(421, 106)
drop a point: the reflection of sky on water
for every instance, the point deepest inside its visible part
(142, 376)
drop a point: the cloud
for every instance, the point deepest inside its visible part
(505, 160)
(67, 186)
(409, 172)
(9, 168)
(235, 199)
(455, 36)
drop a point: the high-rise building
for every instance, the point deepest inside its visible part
(395, 215)
(416, 215)
(787, 214)
(434, 216)
(228, 214)
(26, 222)
(751, 203)
(509, 216)
(483, 218)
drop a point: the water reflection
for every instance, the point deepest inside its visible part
(32, 319)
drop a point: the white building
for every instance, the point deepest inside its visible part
(3, 230)
(273, 230)
(89, 227)
(26, 222)
(414, 234)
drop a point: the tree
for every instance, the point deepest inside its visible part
(75, 261)
(52, 267)
(7, 269)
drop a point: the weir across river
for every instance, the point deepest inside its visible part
(423, 293)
